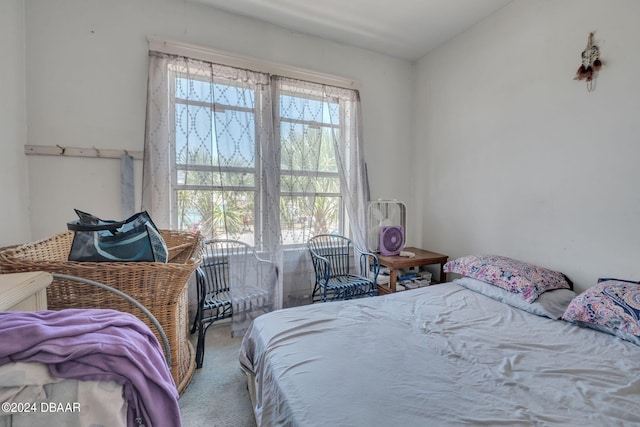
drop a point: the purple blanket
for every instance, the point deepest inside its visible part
(99, 345)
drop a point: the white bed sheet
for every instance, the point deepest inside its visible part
(441, 355)
(75, 403)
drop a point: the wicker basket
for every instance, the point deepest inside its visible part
(162, 288)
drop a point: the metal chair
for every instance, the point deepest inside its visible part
(335, 276)
(228, 285)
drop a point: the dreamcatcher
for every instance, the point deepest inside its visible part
(591, 64)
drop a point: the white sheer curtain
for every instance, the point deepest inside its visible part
(264, 159)
(323, 173)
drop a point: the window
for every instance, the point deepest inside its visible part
(310, 198)
(269, 158)
(215, 185)
(223, 157)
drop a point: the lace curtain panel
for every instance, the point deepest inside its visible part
(267, 160)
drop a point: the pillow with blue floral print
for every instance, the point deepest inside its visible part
(612, 306)
(523, 279)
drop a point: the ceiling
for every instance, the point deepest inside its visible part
(402, 28)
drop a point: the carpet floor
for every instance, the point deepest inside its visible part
(217, 395)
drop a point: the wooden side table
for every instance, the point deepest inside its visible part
(422, 258)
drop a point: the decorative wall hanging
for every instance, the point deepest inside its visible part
(591, 64)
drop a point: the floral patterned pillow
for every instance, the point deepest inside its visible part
(526, 280)
(612, 306)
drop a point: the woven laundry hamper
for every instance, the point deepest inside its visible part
(160, 287)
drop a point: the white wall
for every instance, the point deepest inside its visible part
(86, 87)
(14, 208)
(514, 157)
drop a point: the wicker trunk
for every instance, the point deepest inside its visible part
(162, 288)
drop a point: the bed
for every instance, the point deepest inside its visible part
(84, 367)
(447, 354)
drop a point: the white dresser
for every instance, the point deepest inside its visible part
(24, 291)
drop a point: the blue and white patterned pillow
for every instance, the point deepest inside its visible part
(527, 280)
(612, 306)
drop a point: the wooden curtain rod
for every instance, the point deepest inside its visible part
(57, 150)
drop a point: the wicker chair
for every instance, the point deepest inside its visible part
(228, 285)
(332, 262)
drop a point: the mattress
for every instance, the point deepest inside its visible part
(441, 355)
